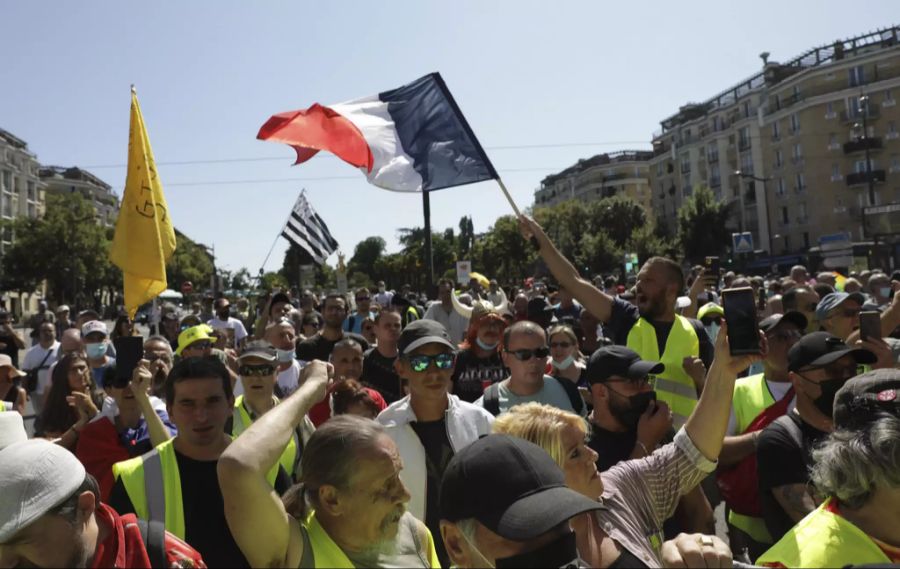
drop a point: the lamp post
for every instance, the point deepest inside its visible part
(765, 194)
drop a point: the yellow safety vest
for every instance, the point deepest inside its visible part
(241, 421)
(324, 552)
(153, 484)
(674, 385)
(751, 397)
(823, 539)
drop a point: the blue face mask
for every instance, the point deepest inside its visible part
(712, 330)
(95, 351)
(885, 291)
(565, 363)
(285, 356)
(486, 347)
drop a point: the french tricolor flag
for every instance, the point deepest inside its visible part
(410, 139)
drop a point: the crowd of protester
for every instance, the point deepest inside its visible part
(557, 422)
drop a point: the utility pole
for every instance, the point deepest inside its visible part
(864, 111)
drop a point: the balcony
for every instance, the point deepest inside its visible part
(858, 116)
(858, 178)
(862, 144)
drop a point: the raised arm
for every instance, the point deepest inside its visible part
(593, 299)
(141, 382)
(252, 507)
(708, 423)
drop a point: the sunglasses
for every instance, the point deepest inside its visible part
(199, 346)
(362, 298)
(420, 363)
(258, 370)
(525, 355)
(560, 344)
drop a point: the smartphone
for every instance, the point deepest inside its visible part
(713, 269)
(869, 325)
(763, 300)
(129, 352)
(740, 315)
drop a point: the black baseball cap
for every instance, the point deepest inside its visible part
(862, 397)
(820, 349)
(796, 318)
(619, 360)
(422, 332)
(539, 304)
(511, 486)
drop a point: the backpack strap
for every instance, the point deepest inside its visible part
(574, 396)
(307, 560)
(492, 399)
(153, 533)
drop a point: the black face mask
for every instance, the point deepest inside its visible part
(637, 405)
(561, 552)
(825, 402)
(223, 314)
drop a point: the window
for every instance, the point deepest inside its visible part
(748, 110)
(744, 138)
(787, 243)
(716, 124)
(857, 76)
(806, 239)
(795, 123)
(779, 158)
(853, 107)
(892, 131)
(776, 101)
(779, 187)
(796, 93)
(785, 218)
(712, 152)
(835, 172)
(800, 183)
(833, 143)
(32, 192)
(686, 188)
(747, 163)
(801, 213)
(715, 179)
(685, 163)
(888, 99)
(797, 153)
(659, 169)
(776, 132)
(829, 110)
(6, 181)
(860, 166)
(895, 162)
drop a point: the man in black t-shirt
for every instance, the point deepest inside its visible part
(319, 346)
(378, 363)
(818, 364)
(199, 401)
(478, 364)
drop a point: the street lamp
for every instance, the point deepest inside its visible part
(765, 194)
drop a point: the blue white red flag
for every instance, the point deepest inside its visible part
(410, 139)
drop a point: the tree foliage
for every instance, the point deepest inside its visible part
(190, 262)
(702, 226)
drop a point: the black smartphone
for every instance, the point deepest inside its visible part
(129, 352)
(740, 315)
(713, 269)
(763, 300)
(869, 325)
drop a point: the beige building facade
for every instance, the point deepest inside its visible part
(604, 175)
(75, 180)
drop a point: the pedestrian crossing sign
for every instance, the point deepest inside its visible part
(743, 242)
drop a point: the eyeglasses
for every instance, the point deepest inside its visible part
(563, 345)
(421, 362)
(199, 346)
(257, 370)
(362, 298)
(525, 355)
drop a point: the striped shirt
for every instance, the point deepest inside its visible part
(639, 495)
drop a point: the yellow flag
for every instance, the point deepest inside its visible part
(144, 239)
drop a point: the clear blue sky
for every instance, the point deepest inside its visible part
(525, 73)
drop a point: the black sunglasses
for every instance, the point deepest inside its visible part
(525, 355)
(257, 370)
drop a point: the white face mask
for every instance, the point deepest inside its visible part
(285, 356)
(565, 363)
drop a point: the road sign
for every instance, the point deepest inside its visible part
(187, 287)
(837, 250)
(743, 242)
(463, 268)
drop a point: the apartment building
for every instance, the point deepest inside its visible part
(605, 175)
(798, 149)
(21, 195)
(71, 180)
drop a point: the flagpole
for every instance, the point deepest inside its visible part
(429, 260)
(508, 197)
(283, 225)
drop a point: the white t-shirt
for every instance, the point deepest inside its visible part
(33, 358)
(383, 298)
(232, 323)
(455, 324)
(777, 389)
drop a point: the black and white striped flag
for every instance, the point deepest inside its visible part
(305, 229)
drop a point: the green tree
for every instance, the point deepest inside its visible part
(242, 279)
(191, 262)
(272, 280)
(365, 255)
(618, 216)
(702, 226)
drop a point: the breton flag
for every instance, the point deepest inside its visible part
(305, 229)
(145, 239)
(410, 139)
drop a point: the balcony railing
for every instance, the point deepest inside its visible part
(858, 116)
(857, 178)
(862, 144)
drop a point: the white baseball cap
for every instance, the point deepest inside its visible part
(12, 429)
(37, 477)
(93, 326)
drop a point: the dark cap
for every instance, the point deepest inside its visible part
(511, 486)
(258, 349)
(279, 297)
(422, 332)
(621, 361)
(820, 349)
(769, 324)
(862, 397)
(539, 304)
